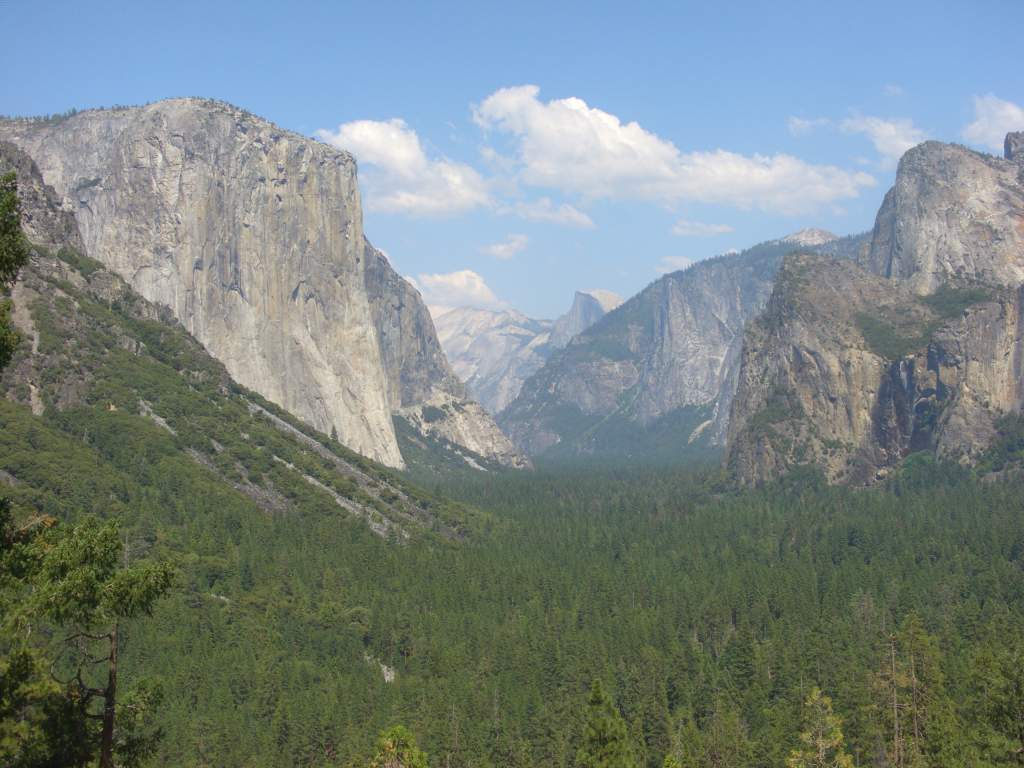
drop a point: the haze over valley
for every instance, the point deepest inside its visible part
(411, 386)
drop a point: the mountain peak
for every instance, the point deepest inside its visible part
(810, 237)
(608, 300)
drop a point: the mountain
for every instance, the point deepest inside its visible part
(654, 376)
(108, 396)
(810, 237)
(919, 347)
(253, 237)
(494, 352)
(587, 308)
(952, 213)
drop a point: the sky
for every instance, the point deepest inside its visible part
(511, 153)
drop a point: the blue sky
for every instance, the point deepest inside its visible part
(511, 153)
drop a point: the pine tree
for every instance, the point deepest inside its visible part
(821, 742)
(605, 737)
(396, 748)
(13, 256)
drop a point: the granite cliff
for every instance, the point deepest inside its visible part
(495, 351)
(653, 377)
(253, 237)
(919, 348)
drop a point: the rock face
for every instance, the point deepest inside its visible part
(422, 387)
(587, 308)
(493, 352)
(42, 219)
(850, 372)
(657, 372)
(852, 369)
(253, 237)
(1013, 147)
(953, 212)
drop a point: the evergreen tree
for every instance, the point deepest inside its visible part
(821, 742)
(13, 256)
(79, 582)
(396, 748)
(605, 736)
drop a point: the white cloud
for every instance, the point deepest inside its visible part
(544, 210)
(566, 144)
(685, 228)
(993, 119)
(508, 248)
(403, 178)
(672, 264)
(892, 89)
(891, 137)
(799, 126)
(464, 288)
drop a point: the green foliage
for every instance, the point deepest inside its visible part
(707, 609)
(396, 748)
(605, 738)
(780, 406)
(893, 339)
(821, 741)
(432, 414)
(13, 256)
(950, 301)
(13, 245)
(79, 579)
(9, 336)
(895, 333)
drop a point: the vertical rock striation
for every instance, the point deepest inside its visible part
(952, 213)
(851, 371)
(253, 237)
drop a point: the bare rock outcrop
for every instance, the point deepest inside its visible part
(953, 213)
(850, 372)
(253, 237)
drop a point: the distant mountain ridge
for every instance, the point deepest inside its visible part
(495, 351)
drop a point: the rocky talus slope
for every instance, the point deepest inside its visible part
(851, 368)
(253, 237)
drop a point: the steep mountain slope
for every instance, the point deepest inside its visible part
(654, 375)
(103, 368)
(851, 371)
(494, 352)
(423, 390)
(252, 236)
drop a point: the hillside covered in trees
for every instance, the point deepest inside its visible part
(242, 590)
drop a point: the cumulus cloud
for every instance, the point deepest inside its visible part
(566, 144)
(685, 228)
(402, 178)
(508, 248)
(993, 119)
(672, 264)
(799, 126)
(891, 137)
(547, 211)
(464, 288)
